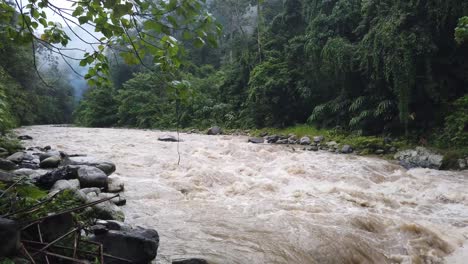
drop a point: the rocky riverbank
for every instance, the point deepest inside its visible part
(416, 157)
(95, 213)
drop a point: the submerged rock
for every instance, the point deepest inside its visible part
(190, 261)
(419, 157)
(138, 245)
(168, 138)
(215, 131)
(25, 137)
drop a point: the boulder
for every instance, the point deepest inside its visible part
(138, 245)
(25, 137)
(119, 200)
(380, 152)
(318, 139)
(190, 261)
(168, 138)
(30, 173)
(51, 162)
(419, 157)
(282, 141)
(106, 210)
(64, 173)
(10, 237)
(114, 185)
(16, 157)
(255, 140)
(263, 134)
(215, 131)
(305, 141)
(7, 165)
(91, 177)
(346, 149)
(106, 166)
(61, 185)
(48, 154)
(312, 148)
(95, 190)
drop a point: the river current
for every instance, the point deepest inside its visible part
(230, 201)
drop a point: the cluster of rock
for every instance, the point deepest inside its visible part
(311, 144)
(419, 157)
(89, 180)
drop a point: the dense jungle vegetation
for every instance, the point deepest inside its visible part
(366, 67)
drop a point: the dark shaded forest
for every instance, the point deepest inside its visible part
(363, 67)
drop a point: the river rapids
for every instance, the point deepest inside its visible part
(230, 201)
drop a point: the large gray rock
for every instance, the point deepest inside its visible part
(50, 162)
(10, 237)
(256, 140)
(91, 177)
(346, 149)
(305, 141)
(119, 200)
(48, 154)
(61, 185)
(30, 173)
(106, 210)
(106, 166)
(215, 131)
(16, 157)
(114, 185)
(64, 173)
(318, 139)
(7, 165)
(419, 157)
(138, 245)
(167, 138)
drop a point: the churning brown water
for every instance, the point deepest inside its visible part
(233, 202)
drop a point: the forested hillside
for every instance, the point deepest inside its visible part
(369, 67)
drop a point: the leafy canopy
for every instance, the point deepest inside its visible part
(132, 29)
